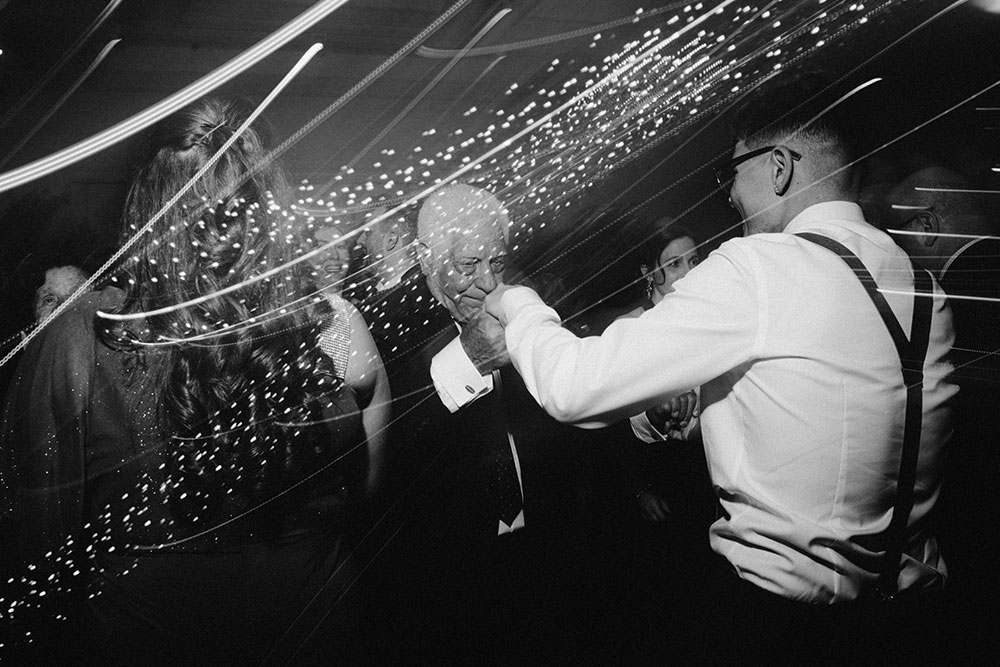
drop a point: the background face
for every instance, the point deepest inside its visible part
(678, 257)
(60, 282)
(333, 265)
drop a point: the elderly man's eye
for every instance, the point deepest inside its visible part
(49, 300)
(498, 264)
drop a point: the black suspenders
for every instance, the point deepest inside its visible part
(911, 355)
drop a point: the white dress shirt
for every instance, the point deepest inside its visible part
(802, 398)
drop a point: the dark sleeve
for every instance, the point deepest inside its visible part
(43, 436)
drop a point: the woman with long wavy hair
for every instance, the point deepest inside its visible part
(179, 475)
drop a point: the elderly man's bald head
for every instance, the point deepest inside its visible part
(462, 232)
(937, 211)
(459, 209)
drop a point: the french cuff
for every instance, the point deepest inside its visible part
(455, 377)
(644, 429)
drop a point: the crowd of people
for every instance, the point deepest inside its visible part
(264, 439)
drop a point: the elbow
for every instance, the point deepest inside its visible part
(563, 410)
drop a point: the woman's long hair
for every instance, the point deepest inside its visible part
(232, 405)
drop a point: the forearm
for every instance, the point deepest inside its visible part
(375, 418)
(590, 381)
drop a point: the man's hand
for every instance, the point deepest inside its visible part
(493, 301)
(652, 506)
(483, 341)
(675, 413)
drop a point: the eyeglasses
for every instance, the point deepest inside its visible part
(727, 173)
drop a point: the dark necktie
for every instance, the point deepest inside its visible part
(504, 485)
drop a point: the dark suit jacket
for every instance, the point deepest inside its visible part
(461, 446)
(446, 579)
(969, 527)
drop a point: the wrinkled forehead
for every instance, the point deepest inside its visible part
(483, 241)
(61, 281)
(462, 215)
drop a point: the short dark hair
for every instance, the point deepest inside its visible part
(665, 231)
(805, 105)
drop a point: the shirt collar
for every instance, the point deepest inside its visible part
(841, 213)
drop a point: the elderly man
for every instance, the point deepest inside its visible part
(476, 446)
(805, 408)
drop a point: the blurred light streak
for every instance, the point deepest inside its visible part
(430, 52)
(373, 76)
(427, 89)
(941, 295)
(844, 97)
(615, 75)
(468, 89)
(178, 100)
(86, 285)
(101, 18)
(971, 192)
(989, 6)
(62, 100)
(906, 232)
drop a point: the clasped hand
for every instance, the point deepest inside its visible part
(483, 338)
(675, 413)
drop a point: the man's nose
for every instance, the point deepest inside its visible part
(486, 280)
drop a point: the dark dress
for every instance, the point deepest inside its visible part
(105, 566)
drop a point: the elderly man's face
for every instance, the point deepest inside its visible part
(60, 282)
(466, 266)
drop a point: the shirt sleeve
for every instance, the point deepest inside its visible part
(456, 378)
(644, 429)
(710, 324)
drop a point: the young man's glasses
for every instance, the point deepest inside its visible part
(727, 173)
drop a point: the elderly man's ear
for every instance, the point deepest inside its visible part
(926, 224)
(425, 258)
(782, 166)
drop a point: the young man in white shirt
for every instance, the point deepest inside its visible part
(803, 395)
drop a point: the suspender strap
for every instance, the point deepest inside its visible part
(912, 353)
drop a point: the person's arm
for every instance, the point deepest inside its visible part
(708, 326)
(366, 374)
(457, 380)
(676, 419)
(461, 371)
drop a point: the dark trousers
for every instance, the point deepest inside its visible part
(754, 626)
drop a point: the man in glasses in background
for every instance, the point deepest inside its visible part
(805, 400)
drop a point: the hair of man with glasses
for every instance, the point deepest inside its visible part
(793, 149)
